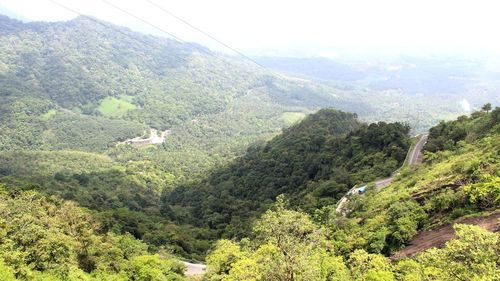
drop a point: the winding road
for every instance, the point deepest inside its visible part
(416, 154)
(415, 157)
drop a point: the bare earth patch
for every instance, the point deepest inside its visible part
(438, 237)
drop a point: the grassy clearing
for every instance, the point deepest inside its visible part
(47, 115)
(291, 117)
(116, 107)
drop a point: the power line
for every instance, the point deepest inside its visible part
(105, 25)
(161, 29)
(213, 54)
(204, 33)
(144, 21)
(132, 37)
(183, 41)
(117, 29)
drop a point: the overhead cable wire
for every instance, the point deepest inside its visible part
(204, 33)
(210, 53)
(111, 27)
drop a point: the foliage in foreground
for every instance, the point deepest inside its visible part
(45, 238)
(288, 245)
(457, 180)
(124, 197)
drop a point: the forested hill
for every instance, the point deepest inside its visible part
(93, 73)
(436, 221)
(70, 92)
(314, 162)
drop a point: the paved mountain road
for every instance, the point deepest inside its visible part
(416, 154)
(415, 157)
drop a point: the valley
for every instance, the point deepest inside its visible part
(131, 156)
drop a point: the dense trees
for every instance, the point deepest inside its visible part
(324, 155)
(473, 256)
(288, 245)
(450, 184)
(314, 162)
(404, 220)
(124, 198)
(49, 239)
(45, 238)
(459, 181)
(80, 66)
(446, 135)
(57, 81)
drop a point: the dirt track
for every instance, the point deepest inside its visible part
(438, 237)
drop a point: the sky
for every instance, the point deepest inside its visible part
(327, 28)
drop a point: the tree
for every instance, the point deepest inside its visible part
(411, 270)
(45, 238)
(486, 193)
(334, 269)
(288, 246)
(405, 218)
(365, 266)
(486, 107)
(154, 268)
(220, 261)
(294, 235)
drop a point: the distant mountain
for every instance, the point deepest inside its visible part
(99, 71)
(314, 68)
(459, 83)
(434, 76)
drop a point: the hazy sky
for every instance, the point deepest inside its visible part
(308, 27)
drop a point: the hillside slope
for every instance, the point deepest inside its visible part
(88, 85)
(95, 72)
(314, 162)
(458, 179)
(451, 202)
